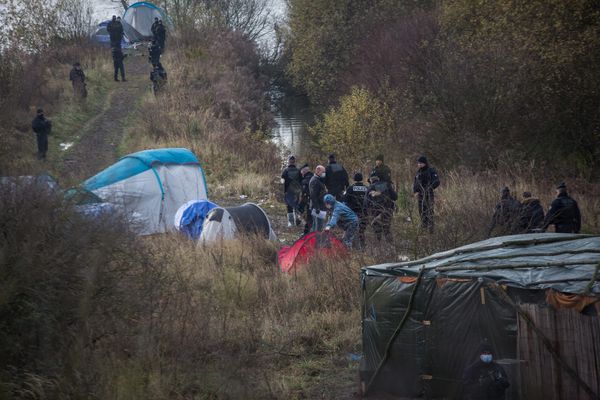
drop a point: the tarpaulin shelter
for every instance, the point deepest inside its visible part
(309, 247)
(141, 16)
(231, 222)
(535, 297)
(131, 35)
(150, 186)
(190, 217)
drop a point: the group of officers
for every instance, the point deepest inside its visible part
(353, 207)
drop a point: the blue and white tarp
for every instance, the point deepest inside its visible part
(150, 186)
(190, 217)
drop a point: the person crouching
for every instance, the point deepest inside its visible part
(343, 216)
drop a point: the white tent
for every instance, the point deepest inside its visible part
(141, 16)
(150, 186)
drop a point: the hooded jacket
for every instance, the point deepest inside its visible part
(532, 214)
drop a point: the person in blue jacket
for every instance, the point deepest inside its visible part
(343, 216)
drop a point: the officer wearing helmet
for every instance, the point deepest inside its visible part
(343, 216)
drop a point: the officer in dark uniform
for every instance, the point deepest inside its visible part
(336, 178)
(380, 205)
(153, 27)
(426, 181)
(118, 64)
(161, 35)
(485, 379)
(381, 170)
(532, 214)
(154, 53)
(158, 76)
(115, 31)
(42, 128)
(305, 199)
(77, 78)
(506, 214)
(292, 189)
(355, 200)
(563, 213)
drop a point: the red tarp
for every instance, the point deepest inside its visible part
(309, 246)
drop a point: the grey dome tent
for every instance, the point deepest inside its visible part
(535, 297)
(102, 37)
(141, 16)
(231, 222)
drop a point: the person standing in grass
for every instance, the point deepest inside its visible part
(161, 35)
(317, 192)
(305, 199)
(42, 128)
(154, 53)
(355, 199)
(336, 179)
(153, 27)
(381, 170)
(292, 189)
(532, 214)
(563, 213)
(343, 216)
(118, 64)
(380, 206)
(426, 181)
(506, 214)
(77, 78)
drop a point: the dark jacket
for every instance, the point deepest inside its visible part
(292, 179)
(532, 215)
(160, 33)
(305, 198)
(115, 31)
(154, 53)
(76, 75)
(485, 381)
(41, 125)
(383, 172)
(317, 191)
(153, 28)
(336, 178)
(375, 204)
(506, 215)
(564, 214)
(426, 180)
(355, 197)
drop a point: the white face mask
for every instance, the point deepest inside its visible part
(322, 175)
(486, 358)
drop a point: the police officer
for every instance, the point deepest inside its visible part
(292, 189)
(158, 76)
(77, 78)
(115, 31)
(154, 26)
(118, 64)
(485, 379)
(161, 35)
(355, 200)
(563, 213)
(426, 181)
(506, 214)
(380, 206)
(154, 53)
(381, 170)
(305, 199)
(317, 192)
(532, 214)
(343, 216)
(336, 178)
(42, 128)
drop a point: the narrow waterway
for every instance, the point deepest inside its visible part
(292, 118)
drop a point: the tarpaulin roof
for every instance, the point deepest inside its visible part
(564, 262)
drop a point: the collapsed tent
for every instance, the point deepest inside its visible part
(309, 247)
(231, 222)
(150, 186)
(535, 297)
(141, 16)
(190, 217)
(131, 35)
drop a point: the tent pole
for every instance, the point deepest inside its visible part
(388, 347)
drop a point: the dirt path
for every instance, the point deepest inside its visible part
(101, 136)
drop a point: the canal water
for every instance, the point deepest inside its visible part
(292, 118)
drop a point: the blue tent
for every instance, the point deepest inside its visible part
(190, 217)
(151, 185)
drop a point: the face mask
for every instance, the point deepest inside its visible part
(486, 358)
(322, 175)
(328, 206)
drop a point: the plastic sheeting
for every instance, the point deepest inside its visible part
(190, 217)
(454, 308)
